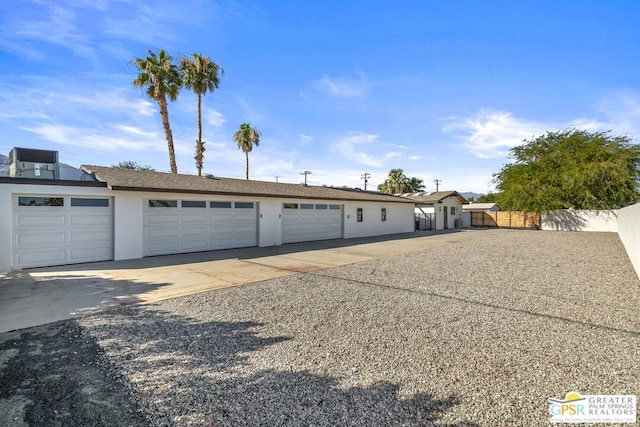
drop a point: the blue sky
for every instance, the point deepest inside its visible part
(440, 89)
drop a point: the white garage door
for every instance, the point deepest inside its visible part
(181, 226)
(58, 229)
(305, 222)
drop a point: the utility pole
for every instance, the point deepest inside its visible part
(305, 173)
(276, 177)
(366, 177)
(437, 182)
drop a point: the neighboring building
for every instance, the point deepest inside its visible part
(117, 214)
(481, 207)
(441, 210)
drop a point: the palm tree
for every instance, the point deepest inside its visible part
(398, 182)
(162, 79)
(246, 138)
(414, 185)
(200, 74)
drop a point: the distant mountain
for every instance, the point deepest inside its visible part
(66, 172)
(471, 194)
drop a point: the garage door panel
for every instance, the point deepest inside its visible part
(157, 219)
(195, 245)
(199, 229)
(66, 234)
(162, 233)
(38, 240)
(90, 220)
(193, 218)
(164, 248)
(304, 225)
(89, 254)
(89, 236)
(35, 220)
(190, 232)
(41, 258)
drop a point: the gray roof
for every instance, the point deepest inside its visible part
(479, 206)
(434, 197)
(133, 180)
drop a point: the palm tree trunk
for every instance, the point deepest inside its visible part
(246, 153)
(162, 102)
(199, 143)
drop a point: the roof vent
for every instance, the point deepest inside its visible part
(32, 163)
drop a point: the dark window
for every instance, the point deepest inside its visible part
(194, 204)
(321, 206)
(244, 205)
(290, 205)
(306, 205)
(453, 210)
(40, 201)
(220, 204)
(359, 215)
(383, 214)
(98, 203)
(163, 203)
(334, 206)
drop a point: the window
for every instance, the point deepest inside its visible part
(244, 205)
(383, 214)
(194, 204)
(334, 206)
(453, 210)
(220, 205)
(306, 205)
(359, 215)
(98, 203)
(40, 201)
(321, 206)
(290, 205)
(163, 203)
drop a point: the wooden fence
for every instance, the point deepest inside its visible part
(507, 219)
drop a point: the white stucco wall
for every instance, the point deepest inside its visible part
(6, 209)
(451, 219)
(629, 232)
(580, 220)
(400, 219)
(128, 210)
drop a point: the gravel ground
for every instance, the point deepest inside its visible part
(475, 333)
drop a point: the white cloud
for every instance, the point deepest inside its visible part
(366, 149)
(353, 146)
(490, 134)
(214, 118)
(622, 113)
(90, 138)
(342, 88)
(304, 139)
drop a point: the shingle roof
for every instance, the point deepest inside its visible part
(132, 180)
(434, 197)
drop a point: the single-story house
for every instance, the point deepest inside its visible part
(437, 211)
(117, 214)
(481, 207)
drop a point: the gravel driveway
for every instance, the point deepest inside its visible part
(475, 333)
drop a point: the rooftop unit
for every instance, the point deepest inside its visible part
(32, 163)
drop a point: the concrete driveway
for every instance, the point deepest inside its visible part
(39, 296)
